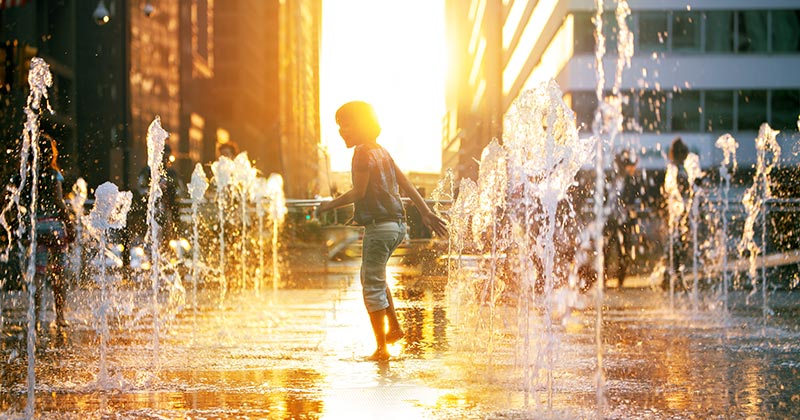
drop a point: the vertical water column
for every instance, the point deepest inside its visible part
(110, 210)
(492, 191)
(244, 176)
(676, 208)
(197, 190)
(599, 193)
(696, 194)
(39, 79)
(606, 126)
(277, 214)
(156, 138)
(459, 236)
(544, 155)
(77, 202)
(258, 194)
(754, 201)
(223, 170)
(728, 146)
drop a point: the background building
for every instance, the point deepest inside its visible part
(302, 160)
(245, 71)
(701, 68)
(30, 29)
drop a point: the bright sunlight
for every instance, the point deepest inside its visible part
(392, 55)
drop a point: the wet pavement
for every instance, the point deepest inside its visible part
(298, 353)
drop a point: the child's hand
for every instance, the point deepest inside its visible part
(321, 208)
(435, 223)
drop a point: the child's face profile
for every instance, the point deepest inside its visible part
(349, 132)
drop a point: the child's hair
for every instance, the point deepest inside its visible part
(229, 145)
(48, 152)
(361, 115)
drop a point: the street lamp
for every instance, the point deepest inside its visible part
(101, 15)
(148, 8)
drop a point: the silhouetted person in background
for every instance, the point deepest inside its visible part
(677, 195)
(228, 149)
(624, 203)
(55, 229)
(377, 181)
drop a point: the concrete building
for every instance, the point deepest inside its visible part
(48, 30)
(304, 164)
(213, 71)
(701, 68)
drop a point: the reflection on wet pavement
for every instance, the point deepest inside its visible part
(298, 354)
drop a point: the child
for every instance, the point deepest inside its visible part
(377, 207)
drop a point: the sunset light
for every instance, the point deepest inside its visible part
(573, 209)
(391, 54)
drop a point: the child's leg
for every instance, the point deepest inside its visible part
(395, 332)
(59, 292)
(379, 242)
(378, 328)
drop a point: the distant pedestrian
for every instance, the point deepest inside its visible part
(624, 202)
(229, 149)
(676, 191)
(55, 229)
(377, 181)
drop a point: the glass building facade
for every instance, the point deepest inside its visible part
(699, 69)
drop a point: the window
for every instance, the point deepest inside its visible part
(584, 32)
(785, 106)
(752, 31)
(786, 30)
(629, 122)
(653, 31)
(652, 110)
(584, 104)
(719, 31)
(718, 112)
(686, 111)
(686, 31)
(752, 109)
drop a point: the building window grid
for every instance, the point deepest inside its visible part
(769, 104)
(703, 38)
(735, 44)
(638, 102)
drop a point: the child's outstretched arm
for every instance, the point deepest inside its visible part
(429, 218)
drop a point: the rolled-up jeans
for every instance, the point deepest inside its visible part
(380, 240)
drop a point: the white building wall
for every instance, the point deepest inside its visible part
(676, 71)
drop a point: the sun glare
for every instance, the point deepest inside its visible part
(391, 54)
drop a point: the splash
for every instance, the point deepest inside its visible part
(676, 222)
(39, 79)
(768, 153)
(110, 211)
(156, 139)
(544, 155)
(223, 170)
(510, 219)
(728, 145)
(197, 190)
(277, 214)
(606, 126)
(258, 194)
(696, 197)
(244, 176)
(77, 202)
